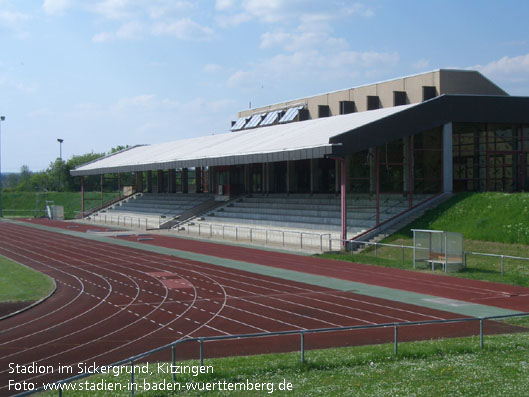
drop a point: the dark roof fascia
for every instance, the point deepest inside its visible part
(434, 113)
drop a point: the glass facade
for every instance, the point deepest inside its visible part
(490, 157)
(428, 161)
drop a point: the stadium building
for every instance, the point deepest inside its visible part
(347, 161)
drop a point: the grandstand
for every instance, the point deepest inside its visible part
(346, 163)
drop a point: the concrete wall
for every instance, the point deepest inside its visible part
(445, 82)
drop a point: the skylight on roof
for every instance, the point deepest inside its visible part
(271, 118)
(239, 124)
(255, 120)
(290, 114)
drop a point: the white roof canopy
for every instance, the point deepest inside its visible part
(293, 141)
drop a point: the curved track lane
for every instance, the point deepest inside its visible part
(113, 302)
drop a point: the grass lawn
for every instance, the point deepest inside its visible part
(34, 204)
(20, 283)
(432, 368)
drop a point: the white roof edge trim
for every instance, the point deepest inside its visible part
(257, 157)
(290, 141)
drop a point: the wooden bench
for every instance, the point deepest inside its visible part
(440, 259)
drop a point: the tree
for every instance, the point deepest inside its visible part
(25, 172)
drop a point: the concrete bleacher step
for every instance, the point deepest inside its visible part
(282, 224)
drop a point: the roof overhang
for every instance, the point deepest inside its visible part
(434, 113)
(318, 138)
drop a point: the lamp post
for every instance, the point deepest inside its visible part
(2, 118)
(60, 147)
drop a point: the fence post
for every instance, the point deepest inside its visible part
(201, 352)
(301, 240)
(199, 228)
(481, 333)
(402, 255)
(236, 233)
(302, 334)
(502, 257)
(210, 230)
(376, 251)
(266, 238)
(283, 238)
(321, 243)
(396, 337)
(251, 235)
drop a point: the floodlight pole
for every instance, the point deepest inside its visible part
(2, 118)
(60, 147)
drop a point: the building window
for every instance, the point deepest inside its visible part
(428, 161)
(399, 98)
(324, 111)
(347, 107)
(358, 172)
(373, 102)
(490, 157)
(428, 92)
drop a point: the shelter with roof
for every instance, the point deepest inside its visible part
(413, 138)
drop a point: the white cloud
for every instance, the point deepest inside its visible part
(128, 30)
(295, 41)
(15, 21)
(224, 4)
(184, 29)
(421, 64)
(54, 7)
(146, 102)
(315, 65)
(506, 66)
(212, 68)
(289, 12)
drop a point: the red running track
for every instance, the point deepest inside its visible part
(113, 302)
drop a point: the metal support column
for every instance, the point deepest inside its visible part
(312, 176)
(82, 196)
(377, 160)
(343, 206)
(139, 181)
(160, 188)
(410, 172)
(288, 176)
(101, 187)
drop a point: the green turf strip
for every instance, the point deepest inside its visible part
(20, 283)
(432, 302)
(447, 367)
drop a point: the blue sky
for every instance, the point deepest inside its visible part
(102, 73)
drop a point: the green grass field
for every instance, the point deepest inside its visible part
(33, 204)
(431, 368)
(20, 283)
